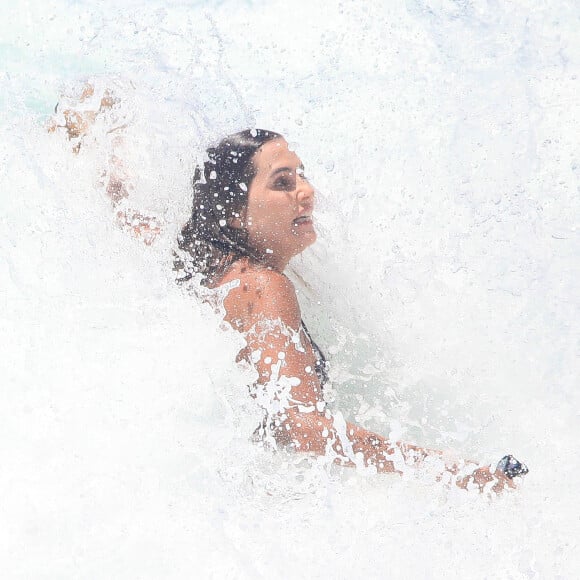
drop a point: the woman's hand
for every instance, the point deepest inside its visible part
(483, 476)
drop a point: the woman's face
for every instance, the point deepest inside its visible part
(280, 202)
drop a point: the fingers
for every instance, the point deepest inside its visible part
(80, 116)
(506, 481)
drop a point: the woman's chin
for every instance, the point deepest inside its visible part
(304, 230)
(307, 238)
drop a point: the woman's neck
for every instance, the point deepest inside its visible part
(275, 262)
(240, 266)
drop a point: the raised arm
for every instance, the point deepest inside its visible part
(76, 117)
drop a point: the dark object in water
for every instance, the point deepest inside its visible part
(511, 467)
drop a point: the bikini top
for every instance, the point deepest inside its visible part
(321, 364)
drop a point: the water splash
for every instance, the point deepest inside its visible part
(442, 138)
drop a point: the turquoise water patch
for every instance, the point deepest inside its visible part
(32, 80)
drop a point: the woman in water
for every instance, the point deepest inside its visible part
(252, 213)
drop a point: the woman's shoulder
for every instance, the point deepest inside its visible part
(262, 293)
(252, 277)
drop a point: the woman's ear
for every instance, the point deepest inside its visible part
(237, 221)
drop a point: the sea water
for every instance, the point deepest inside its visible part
(442, 138)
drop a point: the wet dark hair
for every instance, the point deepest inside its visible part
(207, 243)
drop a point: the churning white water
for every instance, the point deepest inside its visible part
(442, 136)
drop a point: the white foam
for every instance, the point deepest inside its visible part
(443, 139)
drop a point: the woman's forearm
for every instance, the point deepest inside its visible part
(322, 432)
(326, 434)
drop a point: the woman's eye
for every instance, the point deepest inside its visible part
(285, 183)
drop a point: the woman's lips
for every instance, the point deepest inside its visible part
(302, 220)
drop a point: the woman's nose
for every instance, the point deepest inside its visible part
(305, 191)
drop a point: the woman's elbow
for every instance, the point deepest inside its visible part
(304, 431)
